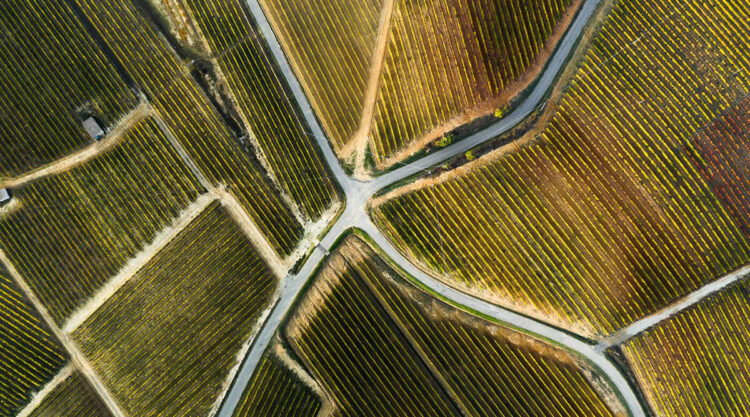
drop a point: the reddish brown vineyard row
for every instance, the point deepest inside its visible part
(604, 218)
(721, 153)
(452, 59)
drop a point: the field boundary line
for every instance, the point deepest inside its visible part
(181, 152)
(134, 264)
(358, 143)
(78, 359)
(86, 154)
(428, 363)
(278, 265)
(40, 395)
(244, 349)
(678, 306)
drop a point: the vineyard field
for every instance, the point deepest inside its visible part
(697, 363)
(444, 63)
(602, 218)
(263, 98)
(30, 354)
(73, 397)
(277, 391)
(721, 153)
(331, 45)
(360, 325)
(204, 137)
(192, 119)
(73, 231)
(165, 342)
(451, 61)
(53, 75)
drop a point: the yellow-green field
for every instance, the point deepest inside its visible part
(74, 397)
(30, 355)
(603, 218)
(276, 390)
(53, 76)
(165, 342)
(697, 363)
(71, 232)
(379, 346)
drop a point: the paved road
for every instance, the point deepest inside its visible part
(357, 194)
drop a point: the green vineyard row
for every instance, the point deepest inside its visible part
(275, 391)
(697, 363)
(52, 75)
(379, 346)
(189, 115)
(453, 59)
(73, 397)
(165, 342)
(330, 43)
(264, 101)
(30, 354)
(71, 232)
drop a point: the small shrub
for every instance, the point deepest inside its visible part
(444, 141)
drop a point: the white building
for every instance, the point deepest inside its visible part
(5, 196)
(93, 129)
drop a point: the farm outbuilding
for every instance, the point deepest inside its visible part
(92, 127)
(5, 196)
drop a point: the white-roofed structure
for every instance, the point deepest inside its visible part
(93, 129)
(5, 196)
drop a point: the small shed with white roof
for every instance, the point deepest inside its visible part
(5, 196)
(93, 128)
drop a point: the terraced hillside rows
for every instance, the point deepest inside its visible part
(379, 346)
(451, 61)
(330, 44)
(71, 232)
(29, 354)
(164, 343)
(275, 390)
(603, 218)
(275, 122)
(697, 363)
(721, 153)
(73, 397)
(191, 118)
(52, 74)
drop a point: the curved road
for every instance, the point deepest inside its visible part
(357, 194)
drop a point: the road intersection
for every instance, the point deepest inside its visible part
(358, 193)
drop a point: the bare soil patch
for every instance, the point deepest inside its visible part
(512, 90)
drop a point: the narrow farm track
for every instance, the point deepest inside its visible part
(359, 142)
(689, 300)
(79, 360)
(86, 154)
(355, 216)
(42, 393)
